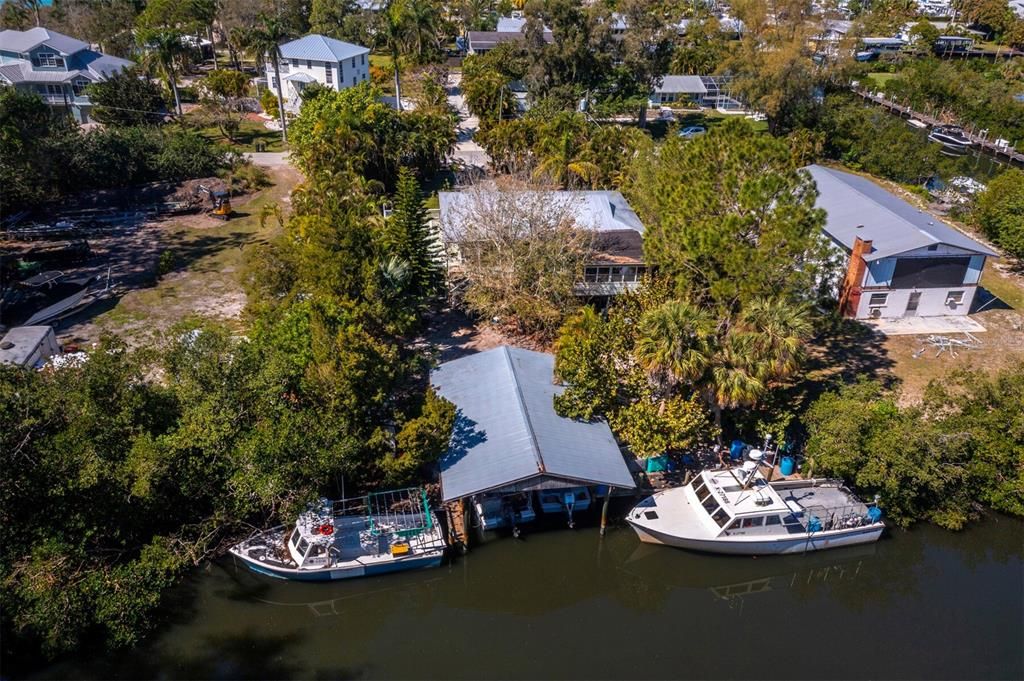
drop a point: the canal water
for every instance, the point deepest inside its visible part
(567, 604)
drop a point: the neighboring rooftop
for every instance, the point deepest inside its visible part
(857, 207)
(26, 41)
(603, 211)
(692, 85)
(507, 436)
(19, 344)
(510, 24)
(487, 40)
(320, 48)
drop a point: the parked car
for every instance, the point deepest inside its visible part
(666, 114)
(692, 131)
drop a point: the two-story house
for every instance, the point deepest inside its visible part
(616, 263)
(56, 67)
(902, 261)
(318, 59)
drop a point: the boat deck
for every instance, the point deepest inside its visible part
(356, 540)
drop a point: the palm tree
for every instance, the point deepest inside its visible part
(392, 36)
(674, 343)
(165, 47)
(265, 40)
(421, 28)
(764, 345)
(560, 162)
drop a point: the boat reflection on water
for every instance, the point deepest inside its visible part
(732, 578)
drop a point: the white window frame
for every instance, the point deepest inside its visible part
(872, 302)
(329, 73)
(49, 59)
(955, 298)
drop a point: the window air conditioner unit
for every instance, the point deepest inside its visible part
(875, 312)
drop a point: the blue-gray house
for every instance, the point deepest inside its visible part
(56, 67)
(507, 436)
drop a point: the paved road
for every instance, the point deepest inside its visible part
(466, 150)
(270, 159)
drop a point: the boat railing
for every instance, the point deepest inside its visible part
(827, 518)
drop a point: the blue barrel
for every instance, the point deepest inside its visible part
(657, 464)
(874, 514)
(814, 524)
(787, 466)
(736, 450)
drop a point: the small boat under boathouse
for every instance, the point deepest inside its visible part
(511, 455)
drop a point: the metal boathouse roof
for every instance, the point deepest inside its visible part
(507, 436)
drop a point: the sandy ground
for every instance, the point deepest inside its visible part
(452, 334)
(209, 256)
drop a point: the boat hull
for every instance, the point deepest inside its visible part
(345, 572)
(800, 543)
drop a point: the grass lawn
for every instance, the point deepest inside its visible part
(249, 133)
(1008, 289)
(881, 78)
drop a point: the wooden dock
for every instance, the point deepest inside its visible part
(1008, 154)
(455, 517)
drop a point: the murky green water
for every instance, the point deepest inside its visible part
(567, 604)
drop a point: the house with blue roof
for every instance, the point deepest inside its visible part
(508, 439)
(56, 67)
(315, 58)
(902, 261)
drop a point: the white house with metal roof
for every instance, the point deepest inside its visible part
(507, 436)
(903, 262)
(318, 59)
(55, 67)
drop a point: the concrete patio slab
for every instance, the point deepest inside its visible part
(909, 326)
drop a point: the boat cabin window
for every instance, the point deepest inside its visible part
(752, 522)
(773, 520)
(720, 517)
(790, 520)
(302, 546)
(702, 492)
(295, 537)
(317, 550)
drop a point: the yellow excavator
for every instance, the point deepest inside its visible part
(221, 201)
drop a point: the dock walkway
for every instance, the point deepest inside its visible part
(1008, 153)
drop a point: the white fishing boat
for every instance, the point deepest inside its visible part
(564, 501)
(738, 511)
(917, 123)
(376, 534)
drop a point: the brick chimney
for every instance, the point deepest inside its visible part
(849, 295)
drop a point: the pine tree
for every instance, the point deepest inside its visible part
(408, 237)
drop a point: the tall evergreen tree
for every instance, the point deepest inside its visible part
(408, 237)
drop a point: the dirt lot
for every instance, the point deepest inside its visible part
(208, 258)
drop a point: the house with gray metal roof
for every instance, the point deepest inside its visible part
(56, 67)
(507, 436)
(616, 264)
(903, 261)
(315, 58)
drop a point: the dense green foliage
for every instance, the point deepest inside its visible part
(353, 130)
(977, 92)
(999, 212)
(963, 447)
(44, 156)
(868, 138)
(563, 149)
(125, 100)
(729, 217)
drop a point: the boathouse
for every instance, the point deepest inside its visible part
(902, 261)
(507, 436)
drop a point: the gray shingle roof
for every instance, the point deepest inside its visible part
(692, 85)
(857, 207)
(23, 41)
(507, 434)
(598, 210)
(321, 48)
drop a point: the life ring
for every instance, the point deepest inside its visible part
(327, 529)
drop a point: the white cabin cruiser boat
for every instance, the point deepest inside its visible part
(738, 511)
(951, 137)
(376, 534)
